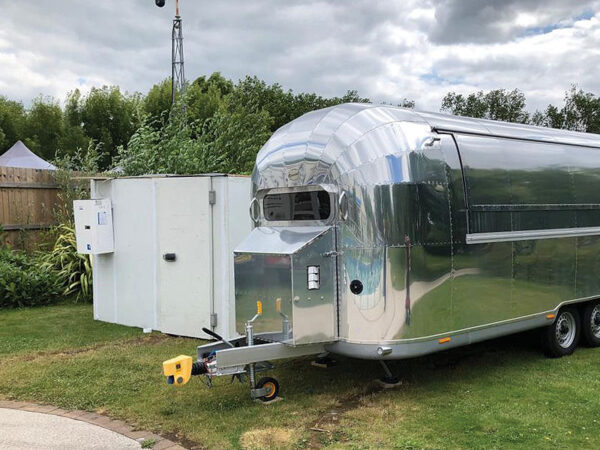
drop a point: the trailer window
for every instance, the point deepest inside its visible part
(309, 205)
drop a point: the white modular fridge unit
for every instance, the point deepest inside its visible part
(172, 265)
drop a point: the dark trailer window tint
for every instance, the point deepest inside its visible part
(311, 205)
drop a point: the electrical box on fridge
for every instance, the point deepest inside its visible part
(93, 226)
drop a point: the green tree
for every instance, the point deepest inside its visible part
(216, 80)
(44, 127)
(157, 103)
(109, 118)
(498, 104)
(283, 106)
(74, 139)
(236, 136)
(170, 149)
(580, 112)
(254, 95)
(217, 126)
(13, 119)
(206, 96)
(303, 103)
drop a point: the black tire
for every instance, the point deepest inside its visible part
(590, 324)
(272, 385)
(561, 338)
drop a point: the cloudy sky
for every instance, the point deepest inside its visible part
(386, 49)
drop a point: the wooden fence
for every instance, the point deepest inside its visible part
(28, 198)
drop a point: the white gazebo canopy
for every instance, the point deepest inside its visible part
(20, 156)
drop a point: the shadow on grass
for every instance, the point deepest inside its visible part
(352, 377)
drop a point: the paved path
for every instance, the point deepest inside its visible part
(31, 430)
(31, 426)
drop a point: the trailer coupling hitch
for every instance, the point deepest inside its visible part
(180, 369)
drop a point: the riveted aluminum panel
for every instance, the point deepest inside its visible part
(278, 240)
(401, 175)
(584, 165)
(544, 274)
(264, 278)
(511, 172)
(445, 122)
(314, 311)
(421, 296)
(482, 288)
(587, 281)
(365, 316)
(271, 267)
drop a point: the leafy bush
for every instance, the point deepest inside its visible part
(25, 282)
(73, 270)
(67, 176)
(47, 277)
(215, 126)
(226, 142)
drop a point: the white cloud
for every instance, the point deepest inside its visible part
(387, 50)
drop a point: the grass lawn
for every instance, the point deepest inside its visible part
(499, 394)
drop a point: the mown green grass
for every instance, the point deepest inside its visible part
(54, 328)
(500, 394)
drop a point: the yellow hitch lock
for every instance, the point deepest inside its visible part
(178, 370)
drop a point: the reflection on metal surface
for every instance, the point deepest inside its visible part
(439, 224)
(278, 240)
(293, 206)
(265, 278)
(288, 271)
(482, 238)
(314, 312)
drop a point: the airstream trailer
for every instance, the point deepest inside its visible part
(386, 233)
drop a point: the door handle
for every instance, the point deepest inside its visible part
(169, 257)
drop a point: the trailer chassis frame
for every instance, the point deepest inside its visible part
(243, 356)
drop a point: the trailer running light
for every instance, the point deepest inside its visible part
(550, 316)
(444, 340)
(259, 308)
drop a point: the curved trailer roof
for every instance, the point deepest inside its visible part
(324, 145)
(447, 122)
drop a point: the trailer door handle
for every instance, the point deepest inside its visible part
(169, 257)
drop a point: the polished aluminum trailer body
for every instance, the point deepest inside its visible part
(452, 229)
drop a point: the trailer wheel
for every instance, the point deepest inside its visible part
(561, 338)
(272, 387)
(591, 324)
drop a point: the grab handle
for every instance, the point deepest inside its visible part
(253, 211)
(343, 205)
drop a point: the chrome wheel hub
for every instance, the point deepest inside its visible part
(566, 328)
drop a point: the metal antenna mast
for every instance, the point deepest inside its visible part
(177, 70)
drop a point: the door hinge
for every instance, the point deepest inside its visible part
(213, 320)
(212, 197)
